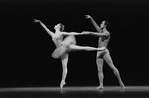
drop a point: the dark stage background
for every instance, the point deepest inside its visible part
(25, 47)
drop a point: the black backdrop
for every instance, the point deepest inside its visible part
(26, 47)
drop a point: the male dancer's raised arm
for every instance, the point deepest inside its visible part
(93, 22)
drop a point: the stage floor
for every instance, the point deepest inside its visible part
(76, 92)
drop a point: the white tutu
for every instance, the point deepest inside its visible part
(63, 47)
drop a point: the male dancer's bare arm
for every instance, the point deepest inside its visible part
(93, 22)
(94, 33)
(44, 26)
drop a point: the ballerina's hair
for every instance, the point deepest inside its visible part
(62, 26)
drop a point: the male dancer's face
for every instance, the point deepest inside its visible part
(102, 25)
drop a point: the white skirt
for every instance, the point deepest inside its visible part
(63, 47)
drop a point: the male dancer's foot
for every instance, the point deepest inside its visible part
(62, 84)
(100, 87)
(122, 85)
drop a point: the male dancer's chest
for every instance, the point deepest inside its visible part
(103, 41)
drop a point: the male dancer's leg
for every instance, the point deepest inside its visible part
(99, 62)
(109, 61)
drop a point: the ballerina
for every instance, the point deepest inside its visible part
(64, 46)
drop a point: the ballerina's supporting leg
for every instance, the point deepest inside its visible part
(64, 60)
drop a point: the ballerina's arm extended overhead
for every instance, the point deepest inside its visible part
(44, 26)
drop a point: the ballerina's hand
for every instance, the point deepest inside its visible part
(35, 20)
(88, 16)
(85, 32)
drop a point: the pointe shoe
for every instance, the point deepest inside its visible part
(62, 84)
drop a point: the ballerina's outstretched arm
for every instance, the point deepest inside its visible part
(72, 33)
(44, 26)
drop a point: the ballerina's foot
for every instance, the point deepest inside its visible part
(62, 84)
(99, 87)
(102, 48)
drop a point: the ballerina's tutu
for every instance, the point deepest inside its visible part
(63, 47)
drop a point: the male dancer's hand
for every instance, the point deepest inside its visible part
(88, 16)
(35, 20)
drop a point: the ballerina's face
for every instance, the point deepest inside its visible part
(59, 27)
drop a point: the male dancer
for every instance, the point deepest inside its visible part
(104, 37)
